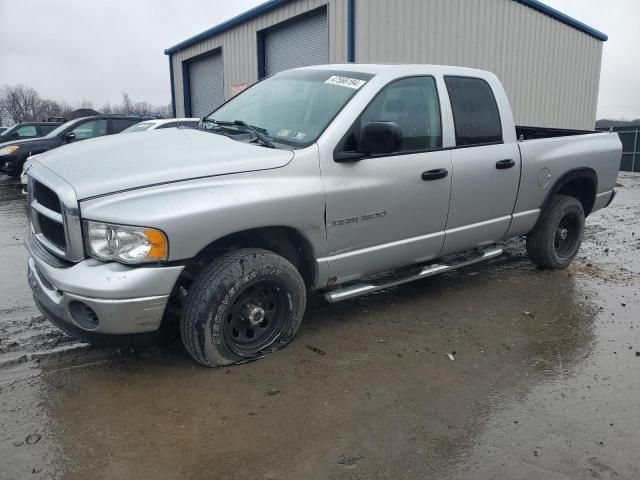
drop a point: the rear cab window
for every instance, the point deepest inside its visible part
(475, 112)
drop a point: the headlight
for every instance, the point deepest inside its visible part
(125, 244)
(8, 150)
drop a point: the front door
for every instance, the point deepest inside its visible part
(382, 211)
(486, 171)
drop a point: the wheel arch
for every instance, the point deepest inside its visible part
(287, 242)
(581, 183)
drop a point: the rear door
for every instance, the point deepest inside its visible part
(486, 170)
(382, 211)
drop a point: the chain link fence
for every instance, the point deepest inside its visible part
(630, 138)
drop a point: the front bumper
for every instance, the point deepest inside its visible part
(124, 300)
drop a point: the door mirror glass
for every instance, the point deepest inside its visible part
(379, 138)
(69, 136)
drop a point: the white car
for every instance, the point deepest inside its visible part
(23, 175)
(162, 123)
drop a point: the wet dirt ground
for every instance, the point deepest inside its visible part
(545, 381)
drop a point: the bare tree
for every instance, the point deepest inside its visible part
(85, 104)
(20, 103)
(49, 108)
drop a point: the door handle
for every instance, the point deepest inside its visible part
(502, 164)
(435, 174)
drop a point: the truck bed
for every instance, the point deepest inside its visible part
(533, 133)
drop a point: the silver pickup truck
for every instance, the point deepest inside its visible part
(318, 178)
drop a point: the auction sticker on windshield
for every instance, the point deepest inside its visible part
(348, 82)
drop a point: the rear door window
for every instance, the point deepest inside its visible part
(119, 124)
(46, 129)
(475, 111)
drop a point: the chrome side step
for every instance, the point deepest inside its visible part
(352, 291)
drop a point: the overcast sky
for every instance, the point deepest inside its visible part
(89, 49)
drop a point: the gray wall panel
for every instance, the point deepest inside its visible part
(240, 45)
(551, 71)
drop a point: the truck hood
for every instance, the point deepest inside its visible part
(134, 160)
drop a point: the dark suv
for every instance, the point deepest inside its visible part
(13, 154)
(28, 130)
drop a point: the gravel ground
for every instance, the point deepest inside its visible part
(544, 382)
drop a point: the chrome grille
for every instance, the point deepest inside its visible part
(52, 231)
(47, 197)
(55, 218)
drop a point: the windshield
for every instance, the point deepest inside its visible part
(293, 107)
(138, 127)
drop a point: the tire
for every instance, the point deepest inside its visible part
(556, 238)
(242, 306)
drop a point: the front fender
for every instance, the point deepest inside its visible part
(195, 213)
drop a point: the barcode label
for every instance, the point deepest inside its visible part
(348, 82)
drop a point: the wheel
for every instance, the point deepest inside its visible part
(242, 306)
(556, 238)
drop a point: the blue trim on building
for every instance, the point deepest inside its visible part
(272, 4)
(186, 89)
(566, 19)
(261, 65)
(351, 31)
(243, 17)
(173, 90)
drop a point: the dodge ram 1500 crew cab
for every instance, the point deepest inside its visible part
(317, 178)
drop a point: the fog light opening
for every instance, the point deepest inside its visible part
(83, 315)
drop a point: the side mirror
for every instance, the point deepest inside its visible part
(69, 136)
(15, 134)
(378, 138)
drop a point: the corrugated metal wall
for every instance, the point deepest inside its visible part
(551, 71)
(300, 43)
(240, 46)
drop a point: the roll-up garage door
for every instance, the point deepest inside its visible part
(206, 84)
(298, 43)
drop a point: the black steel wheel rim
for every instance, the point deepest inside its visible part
(566, 235)
(256, 318)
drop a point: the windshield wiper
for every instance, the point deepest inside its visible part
(239, 123)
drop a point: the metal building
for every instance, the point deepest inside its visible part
(548, 62)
